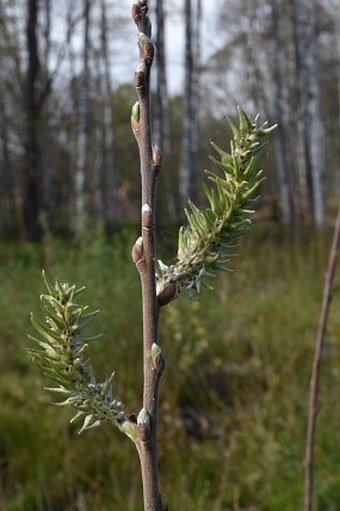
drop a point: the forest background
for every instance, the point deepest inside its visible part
(69, 182)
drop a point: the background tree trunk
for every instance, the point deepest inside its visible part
(109, 173)
(32, 171)
(188, 171)
(81, 177)
(162, 115)
(46, 139)
(315, 129)
(310, 122)
(9, 206)
(286, 198)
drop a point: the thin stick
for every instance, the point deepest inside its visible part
(315, 377)
(141, 125)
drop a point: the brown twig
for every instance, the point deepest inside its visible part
(315, 377)
(144, 256)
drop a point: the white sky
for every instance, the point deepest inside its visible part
(174, 33)
(123, 51)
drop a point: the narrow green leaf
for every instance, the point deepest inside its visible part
(245, 123)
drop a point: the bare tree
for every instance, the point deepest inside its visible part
(109, 177)
(310, 131)
(81, 177)
(315, 129)
(7, 168)
(46, 153)
(162, 110)
(280, 152)
(32, 173)
(188, 174)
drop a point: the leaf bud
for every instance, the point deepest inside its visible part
(143, 425)
(157, 357)
(147, 217)
(140, 75)
(157, 158)
(137, 250)
(146, 46)
(148, 51)
(135, 115)
(167, 294)
(143, 40)
(136, 13)
(130, 429)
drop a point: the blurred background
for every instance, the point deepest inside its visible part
(235, 394)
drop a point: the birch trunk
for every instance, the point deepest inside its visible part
(302, 115)
(316, 136)
(81, 176)
(280, 149)
(310, 121)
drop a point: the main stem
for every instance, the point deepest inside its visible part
(315, 377)
(147, 443)
(148, 450)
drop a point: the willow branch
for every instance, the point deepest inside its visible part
(144, 256)
(315, 377)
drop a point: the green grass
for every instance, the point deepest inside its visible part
(233, 404)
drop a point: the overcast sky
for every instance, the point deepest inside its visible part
(123, 37)
(175, 37)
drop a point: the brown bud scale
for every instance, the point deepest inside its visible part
(167, 294)
(148, 51)
(159, 362)
(144, 433)
(139, 79)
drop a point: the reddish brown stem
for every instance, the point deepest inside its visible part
(147, 444)
(315, 377)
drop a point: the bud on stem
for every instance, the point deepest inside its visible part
(157, 357)
(146, 47)
(137, 250)
(135, 117)
(136, 13)
(157, 159)
(147, 217)
(130, 429)
(143, 425)
(167, 294)
(140, 75)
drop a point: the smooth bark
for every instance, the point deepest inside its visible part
(147, 443)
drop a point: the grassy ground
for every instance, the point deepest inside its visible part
(233, 398)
